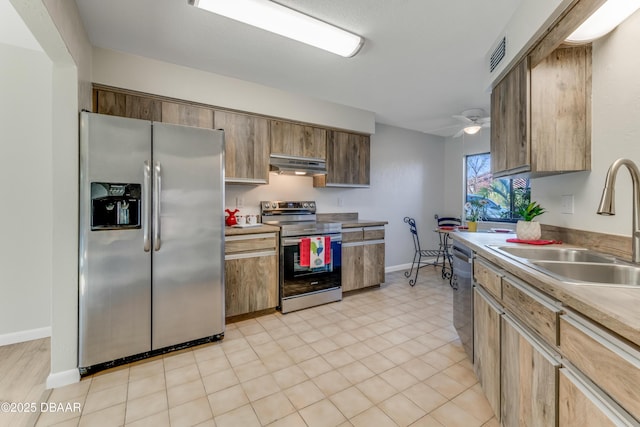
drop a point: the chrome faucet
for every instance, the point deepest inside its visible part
(607, 202)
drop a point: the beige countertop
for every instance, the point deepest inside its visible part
(263, 228)
(362, 223)
(615, 308)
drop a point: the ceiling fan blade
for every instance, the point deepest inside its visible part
(463, 118)
(484, 120)
(486, 125)
(459, 134)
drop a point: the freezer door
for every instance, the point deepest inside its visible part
(188, 234)
(115, 271)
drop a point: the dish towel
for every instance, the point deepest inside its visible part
(315, 251)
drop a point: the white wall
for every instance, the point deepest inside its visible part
(26, 213)
(406, 180)
(161, 78)
(615, 133)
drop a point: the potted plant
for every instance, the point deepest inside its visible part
(527, 228)
(473, 212)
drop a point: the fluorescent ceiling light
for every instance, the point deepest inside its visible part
(472, 130)
(606, 18)
(286, 22)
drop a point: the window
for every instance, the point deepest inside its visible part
(501, 198)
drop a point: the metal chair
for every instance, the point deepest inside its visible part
(420, 253)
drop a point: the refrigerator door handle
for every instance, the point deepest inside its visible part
(157, 190)
(146, 186)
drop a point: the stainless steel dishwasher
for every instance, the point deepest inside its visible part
(463, 295)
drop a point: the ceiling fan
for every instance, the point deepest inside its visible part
(473, 120)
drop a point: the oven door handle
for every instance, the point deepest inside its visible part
(297, 240)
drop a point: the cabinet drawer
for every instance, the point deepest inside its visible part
(488, 276)
(250, 243)
(610, 363)
(352, 234)
(373, 233)
(532, 308)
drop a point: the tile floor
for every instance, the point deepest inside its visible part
(385, 357)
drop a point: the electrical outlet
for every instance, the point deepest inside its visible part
(566, 204)
(239, 202)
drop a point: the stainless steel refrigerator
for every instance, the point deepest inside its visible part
(151, 248)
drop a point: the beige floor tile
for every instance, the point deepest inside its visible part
(73, 422)
(311, 336)
(425, 397)
(186, 392)
(373, 416)
(227, 400)
(315, 366)
(491, 423)
(272, 408)
(474, 403)
(144, 369)
(330, 330)
(243, 416)
(351, 402)
(377, 363)
(278, 361)
(208, 351)
(401, 410)
(292, 420)
(72, 392)
(290, 376)
(427, 421)
(105, 398)
(359, 350)
(230, 346)
(241, 357)
(452, 415)
(338, 358)
(212, 365)
(304, 394)
(190, 413)
(110, 379)
(259, 339)
(324, 345)
(437, 360)
(184, 374)
(399, 378)
(376, 389)
(462, 374)
(322, 414)
(220, 381)
(258, 388)
(445, 385)
(267, 349)
(419, 369)
(356, 372)
(301, 353)
(289, 342)
(397, 355)
(363, 332)
(344, 339)
(250, 370)
(146, 406)
(161, 419)
(331, 382)
(178, 360)
(145, 386)
(111, 416)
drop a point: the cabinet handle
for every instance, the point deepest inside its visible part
(249, 255)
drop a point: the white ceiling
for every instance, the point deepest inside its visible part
(422, 61)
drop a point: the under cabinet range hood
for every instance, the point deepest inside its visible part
(292, 165)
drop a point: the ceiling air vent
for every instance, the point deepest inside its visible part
(498, 54)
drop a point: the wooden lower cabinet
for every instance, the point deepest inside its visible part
(251, 273)
(352, 267)
(580, 404)
(373, 264)
(363, 255)
(486, 336)
(529, 378)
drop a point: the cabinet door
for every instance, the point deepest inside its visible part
(246, 145)
(486, 336)
(528, 381)
(560, 111)
(187, 115)
(580, 404)
(510, 148)
(298, 140)
(373, 263)
(348, 160)
(126, 105)
(352, 266)
(251, 284)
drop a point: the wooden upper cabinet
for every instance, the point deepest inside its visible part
(187, 115)
(510, 122)
(348, 160)
(246, 147)
(541, 116)
(297, 140)
(127, 105)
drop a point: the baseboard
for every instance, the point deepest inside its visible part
(398, 267)
(61, 379)
(22, 336)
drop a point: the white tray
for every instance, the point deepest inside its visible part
(245, 225)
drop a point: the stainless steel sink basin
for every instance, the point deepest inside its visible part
(555, 254)
(622, 275)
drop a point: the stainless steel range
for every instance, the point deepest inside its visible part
(310, 254)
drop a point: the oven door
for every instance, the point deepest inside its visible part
(298, 280)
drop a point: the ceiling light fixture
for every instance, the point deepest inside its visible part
(472, 130)
(611, 14)
(286, 22)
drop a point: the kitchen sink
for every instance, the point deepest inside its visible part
(621, 275)
(555, 254)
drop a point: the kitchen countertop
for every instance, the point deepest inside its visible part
(615, 308)
(263, 228)
(362, 223)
